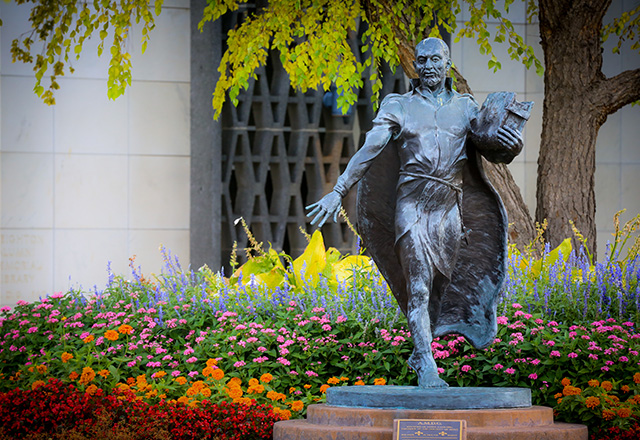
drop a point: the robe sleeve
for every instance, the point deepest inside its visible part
(387, 125)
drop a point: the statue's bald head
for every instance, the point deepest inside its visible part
(432, 43)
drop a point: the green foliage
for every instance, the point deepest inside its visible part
(61, 28)
(311, 38)
(626, 28)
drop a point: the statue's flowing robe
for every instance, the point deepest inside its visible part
(420, 170)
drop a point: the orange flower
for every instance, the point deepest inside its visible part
(104, 373)
(592, 402)
(30, 369)
(297, 405)
(42, 369)
(217, 374)
(307, 386)
(608, 415)
(324, 388)
(73, 375)
(212, 363)
(184, 400)
(36, 384)
(192, 391)
(253, 382)
(291, 390)
(344, 379)
(283, 413)
(111, 335)
(208, 371)
(333, 381)
(565, 382)
(234, 382)
(380, 381)
(198, 385)
(88, 339)
(359, 382)
(571, 391)
(87, 375)
(624, 412)
(244, 401)
(159, 374)
(206, 392)
(131, 381)
(258, 389)
(625, 388)
(594, 383)
(557, 395)
(66, 357)
(607, 385)
(91, 389)
(636, 378)
(181, 380)
(266, 378)
(235, 392)
(125, 329)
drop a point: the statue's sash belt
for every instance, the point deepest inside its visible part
(454, 187)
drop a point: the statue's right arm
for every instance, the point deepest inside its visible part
(386, 126)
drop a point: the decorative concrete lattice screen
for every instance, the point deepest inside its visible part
(283, 150)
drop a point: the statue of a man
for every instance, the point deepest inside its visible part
(432, 223)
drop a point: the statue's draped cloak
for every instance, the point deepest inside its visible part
(392, 199)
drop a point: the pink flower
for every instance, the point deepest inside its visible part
(516, 306)
(510, 371)
(193, 373)
(604, 368)
(533, 376)
(341, 319)
(252, 339)
(502, 320)
(555, 353)
(572, 355)
(192, 360)
(623, 359)
(440, 370)
(593, 356)
(239, 364)
(283, 361)
(260, 359)
(262, 349)
(498, 367)
(466, 368)
(326, 327)
(175, 373)
(311, 373)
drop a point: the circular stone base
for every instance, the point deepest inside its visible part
(404, 397)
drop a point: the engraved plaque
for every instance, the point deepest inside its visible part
(417, 429)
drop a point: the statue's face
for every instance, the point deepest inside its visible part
(432, 64)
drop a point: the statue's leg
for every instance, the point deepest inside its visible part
(419, 273)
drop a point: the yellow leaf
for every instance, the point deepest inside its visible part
(313, 260)
(343, 269)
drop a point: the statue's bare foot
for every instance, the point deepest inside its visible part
(427, 372)
(431, 380)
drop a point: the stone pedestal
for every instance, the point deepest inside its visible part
(358, 422)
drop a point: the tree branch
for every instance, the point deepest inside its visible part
(613, 93)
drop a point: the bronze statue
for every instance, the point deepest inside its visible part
(431, 221)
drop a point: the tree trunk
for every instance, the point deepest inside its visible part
(577, 100)
(521, 226)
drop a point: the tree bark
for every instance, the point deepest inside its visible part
(521, 226)
(577, 100)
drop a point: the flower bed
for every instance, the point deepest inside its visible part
(187, 340)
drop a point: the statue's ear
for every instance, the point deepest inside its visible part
(448, 64)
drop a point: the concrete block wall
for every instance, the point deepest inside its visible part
(91, 180)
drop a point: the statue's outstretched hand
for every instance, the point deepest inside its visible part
(511, 139)
(326, 207)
